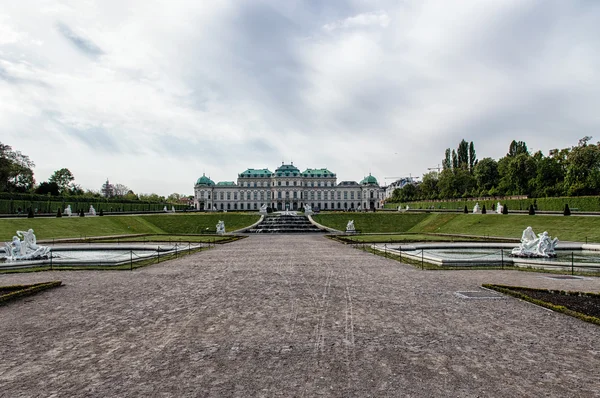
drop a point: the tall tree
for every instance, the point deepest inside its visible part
(516, 148)
(463, 154)
(447, 162)
(472, 156)
(62, 178)
(454, 160)
(486, 174)
(108, 191)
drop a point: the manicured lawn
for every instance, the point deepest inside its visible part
(572, 228)
(75, 227)
(371, 222)
(404, 238)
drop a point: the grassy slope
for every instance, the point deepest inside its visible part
(573, 228)
(74, 227)
(198, 223)
(371, 222)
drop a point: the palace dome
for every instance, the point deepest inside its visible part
(370, 180)
(204, 180)
(288, 170)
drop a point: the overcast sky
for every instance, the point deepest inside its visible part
(152, 94)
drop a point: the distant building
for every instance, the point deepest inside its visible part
(288, 188)
(389, 190)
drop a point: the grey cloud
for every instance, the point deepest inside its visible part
(12, 79)
(83, 44)
(97, 139)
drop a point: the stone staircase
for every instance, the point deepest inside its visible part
(285, 224)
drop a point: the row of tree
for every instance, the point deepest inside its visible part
(16, 176)
(571, 171)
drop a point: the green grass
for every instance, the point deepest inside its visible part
(171, 238)
(76, 227)
(572, 228)
(371, 222)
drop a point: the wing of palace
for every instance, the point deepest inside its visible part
(288, 188)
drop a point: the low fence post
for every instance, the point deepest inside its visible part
(131, 260)
(571, 263)
(502, 251)
(158, 254)
(385, 249)
(175, 251)
(51, 261)
(422, 259)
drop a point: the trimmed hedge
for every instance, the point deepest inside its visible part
(581, 203)
(558, 308)
(8, 293)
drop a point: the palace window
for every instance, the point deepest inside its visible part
(287, 183)
(279, 195)
(222, 196)
(319, 195)
(228, 195)
(352, 195)
(339, 195)
(279, 183)
(255, 195)
(345, 194)
(235, 196)
(295, 195)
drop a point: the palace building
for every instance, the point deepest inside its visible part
(288, 189)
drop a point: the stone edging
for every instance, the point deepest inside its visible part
(313, 222)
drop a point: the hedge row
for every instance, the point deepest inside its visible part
(576, 203)
(52, 206)
(16, 291)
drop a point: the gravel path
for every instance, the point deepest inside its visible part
(291, 316)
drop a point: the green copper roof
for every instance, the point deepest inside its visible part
(287, 170)
(204, 180)
(226, 183)
(259, 173)
(317, 173)
(370, 180)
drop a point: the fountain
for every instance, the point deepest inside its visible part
(536, 247)
(26, 249)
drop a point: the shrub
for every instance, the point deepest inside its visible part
(58, 213)
(101, 212)
(505, 209)
(81, 213)
(30, 213)
(567, 211)
(466, 211)
(483, 210)
(531, 210)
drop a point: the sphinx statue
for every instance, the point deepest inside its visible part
(350, 227)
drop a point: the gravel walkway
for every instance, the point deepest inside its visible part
(291, 316)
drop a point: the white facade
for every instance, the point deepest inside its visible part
(288, 188)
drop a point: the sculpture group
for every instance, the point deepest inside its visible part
(535, 246)
(221, 227)
(26, 249)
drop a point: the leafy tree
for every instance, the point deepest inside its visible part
(429, 185)
(120, 190)
(62, 178)
(407, 193)
(583, 169)
(516, 148)
(47, 188)
(486, 173)
(16, 170)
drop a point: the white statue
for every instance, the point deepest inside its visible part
(263, 209)
(172, 209)
(350, 227)
(407, 208)
(27, 249)
(221, 227)
(165, 209)
(92, 211)
(499, 208)
(476, 209)
(68, 211)
(308, 209)
(359, 208)
(535, 246)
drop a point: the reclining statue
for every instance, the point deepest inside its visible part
(535, 246)
(26, 249)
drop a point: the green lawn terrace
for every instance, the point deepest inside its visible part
(573, 228)
(77, 227)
